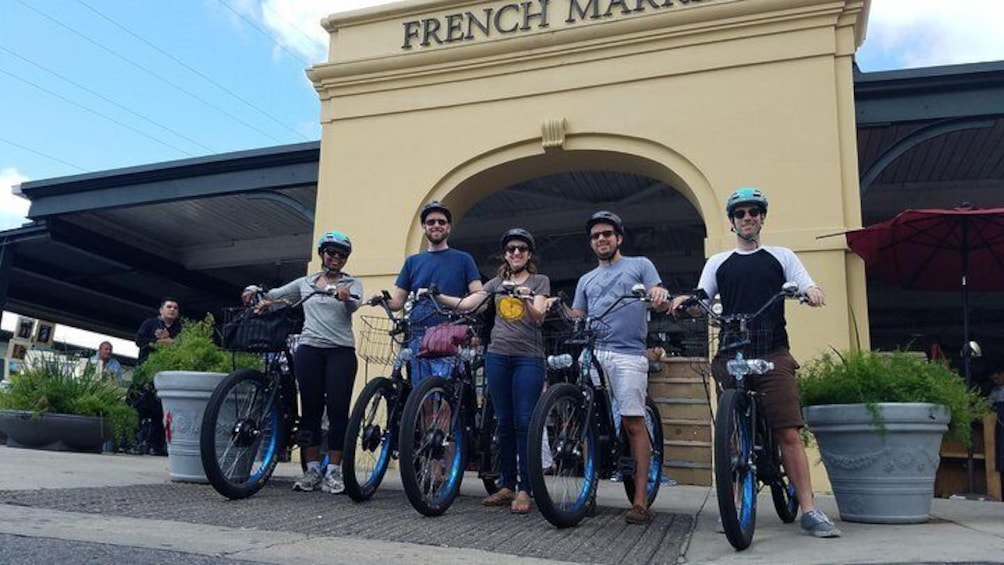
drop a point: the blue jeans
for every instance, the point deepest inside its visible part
(515, 384)
(421, 368)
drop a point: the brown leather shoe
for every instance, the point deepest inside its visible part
(639, 515)
(501, 498)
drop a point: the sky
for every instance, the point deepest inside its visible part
(94, 85)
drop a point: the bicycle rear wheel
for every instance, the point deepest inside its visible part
(433, 447)
(563, 495)
(239, 439)
(653, 422)
(370, 439)
(488, 447)
(735, 476)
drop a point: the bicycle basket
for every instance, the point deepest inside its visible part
(752, 342)
(377, 345)
(244, 329)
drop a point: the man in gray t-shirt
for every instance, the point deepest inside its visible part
(621, 344)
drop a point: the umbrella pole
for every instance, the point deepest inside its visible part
(967, 355)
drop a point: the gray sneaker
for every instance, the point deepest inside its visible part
(815, 523)
(309, 481)
(333, 482)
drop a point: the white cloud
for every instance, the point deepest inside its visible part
(921, 33)
(297, 24)
(13, 208)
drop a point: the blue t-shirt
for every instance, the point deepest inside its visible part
(625, 328)
(450, 270)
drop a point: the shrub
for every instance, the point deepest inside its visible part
(49, 386)
(193, 350)
(869, 377)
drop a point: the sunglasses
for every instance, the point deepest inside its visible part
(753, 212)
(436, 222)
(604, 234)
(517, 248)
(336, 252)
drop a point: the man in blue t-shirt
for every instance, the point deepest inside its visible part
(451, 271)
(620, 347)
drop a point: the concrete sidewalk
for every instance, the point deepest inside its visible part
(959, 531)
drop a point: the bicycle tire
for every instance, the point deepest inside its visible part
(431, 471)
(653, 421)
(488, 446)
(735, 477)
(240, 435)
(369, 439)
(563, 496)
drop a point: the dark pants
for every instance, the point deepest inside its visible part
(326, 376)
(515, 384)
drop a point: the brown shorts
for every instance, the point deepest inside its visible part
(778, 388)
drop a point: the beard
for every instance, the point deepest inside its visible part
(436, 238)
(606, 256)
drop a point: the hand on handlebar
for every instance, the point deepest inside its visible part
(814, 297)
(658, 295)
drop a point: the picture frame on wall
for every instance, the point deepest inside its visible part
(25, 328)
(44, 333)
(18, 351)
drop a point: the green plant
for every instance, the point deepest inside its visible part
(870, 377)
(193, 350)
(49, 385)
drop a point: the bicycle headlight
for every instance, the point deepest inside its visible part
(557, 362)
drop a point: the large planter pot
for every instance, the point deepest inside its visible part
(55, 432)
(880, 477)
(184, 395)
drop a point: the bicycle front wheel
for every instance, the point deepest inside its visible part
(433, 447)
(653, 422)
(564, 491)
(239, 439)
(735, 474)
(370, 439)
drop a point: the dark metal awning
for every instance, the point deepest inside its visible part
(104, 248)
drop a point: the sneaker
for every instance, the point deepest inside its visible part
(815, 523)
(639, 515)
(309, 481)
(333, 482)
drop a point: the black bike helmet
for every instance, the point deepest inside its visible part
(436, 206)
(745, 196)
(518, 233)
(605, 217)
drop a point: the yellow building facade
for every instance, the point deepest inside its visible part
(455, 100)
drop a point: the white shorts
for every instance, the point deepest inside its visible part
(627, 376)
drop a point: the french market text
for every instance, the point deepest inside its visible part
(519, 17)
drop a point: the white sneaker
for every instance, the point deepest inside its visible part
(309, 481)
(333, 482)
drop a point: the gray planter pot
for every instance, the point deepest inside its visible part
(184, 395)
(880, 478)
(54, 432)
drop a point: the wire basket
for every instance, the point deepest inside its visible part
(265, 331)
(379, 344)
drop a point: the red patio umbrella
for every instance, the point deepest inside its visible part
(938, 249)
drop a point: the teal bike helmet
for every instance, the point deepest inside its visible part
(335, 238)
(745, 196)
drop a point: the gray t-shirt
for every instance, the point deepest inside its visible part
(625, 328)
(327, 320)
(514, 332)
